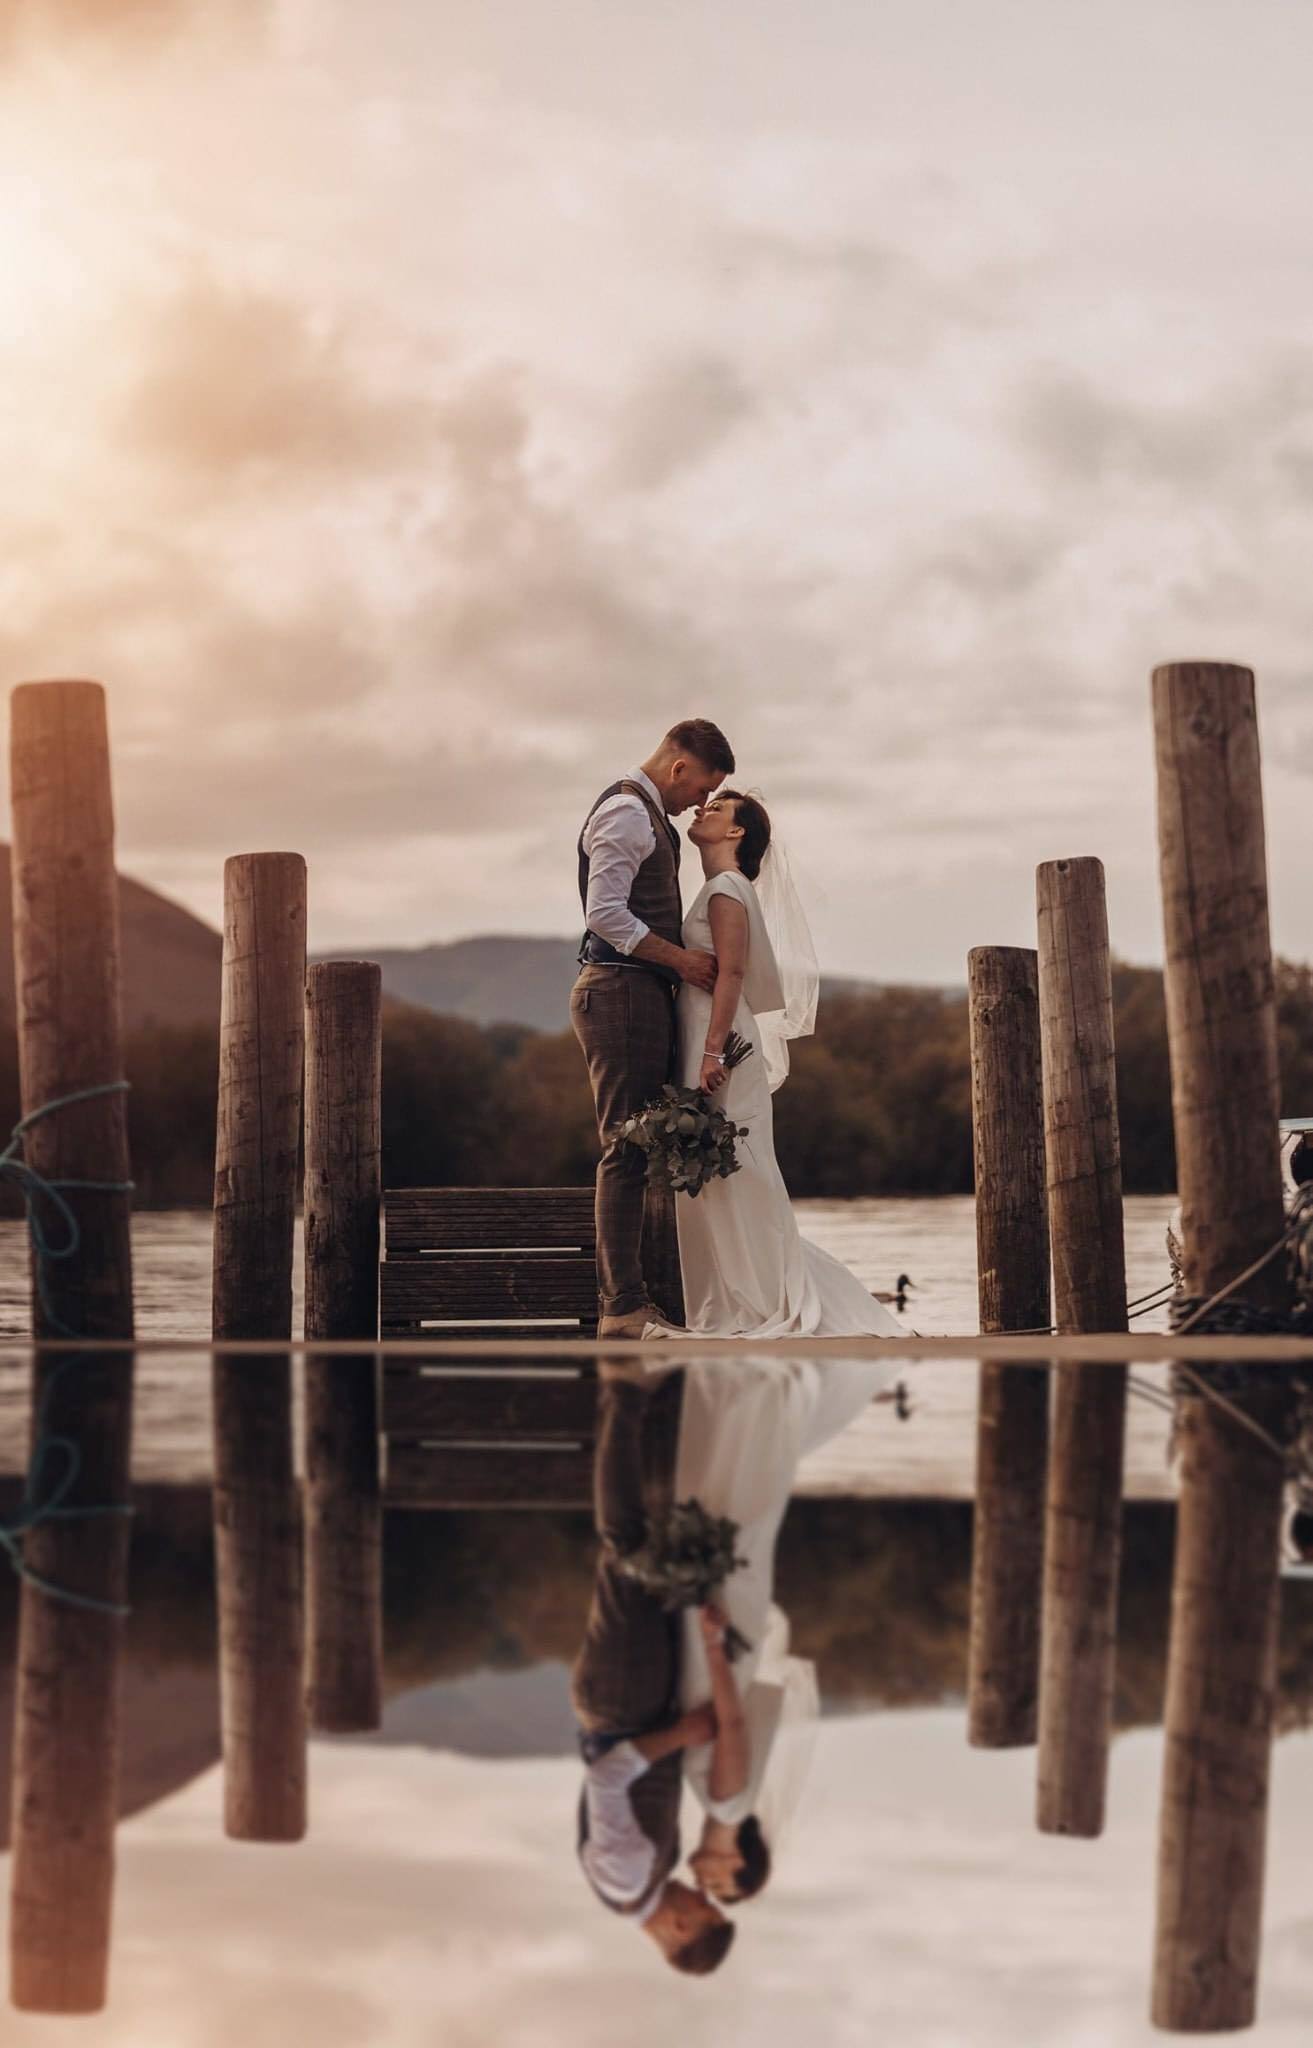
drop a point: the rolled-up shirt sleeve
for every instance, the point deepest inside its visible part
(617, 839)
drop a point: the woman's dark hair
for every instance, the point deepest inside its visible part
(1301, 1532)
(707, 1951)
(755, 820)
(754, 1869)
(700, 737)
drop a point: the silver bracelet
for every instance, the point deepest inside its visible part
(707, 1054)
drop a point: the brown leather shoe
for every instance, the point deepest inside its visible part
(658, 1325)
(629, 1325)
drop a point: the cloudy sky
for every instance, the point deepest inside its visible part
(407, 412)
(436, 1900)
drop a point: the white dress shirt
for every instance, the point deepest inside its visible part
(618, 1856)
(617, 839)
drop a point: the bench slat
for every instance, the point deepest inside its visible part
(448, 1289)
(491, 1333)
(424, 1476)
(438, 1405)
(453, 1219)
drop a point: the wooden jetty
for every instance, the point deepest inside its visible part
(450, 1349)
(257, 1506)
(1082, 1536)
(1012, 1427)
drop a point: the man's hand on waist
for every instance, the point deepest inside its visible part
(700, 969)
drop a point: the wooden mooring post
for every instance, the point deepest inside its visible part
(1082, 1538)
(257, 1514)
(1221, 1021)
(1012, 1251)
(343, 1194)
(65, 1769)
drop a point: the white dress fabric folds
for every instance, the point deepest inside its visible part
(747, 1271)
(745, 1424)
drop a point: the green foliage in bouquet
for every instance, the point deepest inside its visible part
(686, 1559)
(687, 1140)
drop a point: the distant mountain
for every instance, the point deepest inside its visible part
(172, 963)
(489, 980)
(170, 960)
(499, 979)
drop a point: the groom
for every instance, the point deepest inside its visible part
(631, 963)
(625, 1687)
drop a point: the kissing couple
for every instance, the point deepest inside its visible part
(657, 997)
(657, 1698)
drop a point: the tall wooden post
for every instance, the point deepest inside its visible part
(343, 1194)
(256, 1506)
(1012, 1251)
(1083, 1519)
(1222, 1663)
(65, 1786)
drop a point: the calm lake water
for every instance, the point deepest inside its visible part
(933, 1241)
(437, 1894)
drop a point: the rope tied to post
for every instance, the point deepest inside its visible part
(1225, 1314)
(51, 1506)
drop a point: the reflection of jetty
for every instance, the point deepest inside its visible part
(436, 1405)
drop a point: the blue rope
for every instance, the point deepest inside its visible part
(35, 1509)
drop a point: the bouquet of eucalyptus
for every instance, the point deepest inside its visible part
(686, 1559)
(688, 1141)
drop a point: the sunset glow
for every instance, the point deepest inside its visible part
(444, 406)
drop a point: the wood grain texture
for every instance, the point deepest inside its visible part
(66, 1708)
(455, 1288)
(1221, 1683)
(432, 1476)
(438, 1405)
(343, 1193)
(1012, 1253)
(257, 1510)
(1088, 1423)
(455, 1219)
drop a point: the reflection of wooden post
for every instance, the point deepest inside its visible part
(66, 1708)
(1083, 1524)
(257, 1514)
(1012, 1247)
(1221, 1680)
(343, 1192)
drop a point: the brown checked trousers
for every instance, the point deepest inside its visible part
(624, 1018)
(626, 1673)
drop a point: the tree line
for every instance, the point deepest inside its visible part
(878, 1102)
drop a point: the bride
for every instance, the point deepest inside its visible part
(746, 1269)
(749, 1273)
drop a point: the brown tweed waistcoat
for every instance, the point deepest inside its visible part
(654, 893)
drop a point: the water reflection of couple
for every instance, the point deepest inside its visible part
(658, 1701)
(658, 995)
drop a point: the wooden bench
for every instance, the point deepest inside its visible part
(489, 1263)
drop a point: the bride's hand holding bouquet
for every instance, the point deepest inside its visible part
(714, 1072)
(687, 1140)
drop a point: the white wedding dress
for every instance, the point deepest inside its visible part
(747, 1422)
(744, 1426)
(747, 1270)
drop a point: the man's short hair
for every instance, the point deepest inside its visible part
(700, 737)
(707, 1951)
